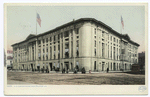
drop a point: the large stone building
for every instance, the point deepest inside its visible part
(9, 61)
(85, 42)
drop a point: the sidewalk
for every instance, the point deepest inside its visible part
(14, 82)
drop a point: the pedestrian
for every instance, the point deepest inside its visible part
(107, 70)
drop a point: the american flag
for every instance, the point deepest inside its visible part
(122, 22)
(38, 19)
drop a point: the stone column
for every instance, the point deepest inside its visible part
(69, 44)
(41, 50)
(31, 52)
(56, 50)
(60, 47)
(34, 52)
(45, 49)
(52, 47)
(74, 47)
(36, 49)
(63, 46)
(48, 48)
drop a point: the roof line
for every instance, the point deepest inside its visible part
(76, 21)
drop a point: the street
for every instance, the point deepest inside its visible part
(75, 79)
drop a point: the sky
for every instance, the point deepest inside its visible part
(21, 20)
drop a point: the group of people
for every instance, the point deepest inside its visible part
(74, 71)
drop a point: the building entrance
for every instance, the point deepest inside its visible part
(32, 67)
(114, 67)
(50, 66)
(103, 66)
(125, 66)
(66, 65)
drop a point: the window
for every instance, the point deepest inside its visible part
(50, 39)
(111, 52)
(117, 53)
(95, 31)
(108, 51)
(111, 38)
(114, 39)
(95, 44)
(77, 31)
(46, 39)
(54, 38)
(58, 51)
(67, 50)
(66, 34)
(95, 52)
(39, 41)
(47, 53)
(103, 48)
(94, 65)
(43, 41)
(77, 48)
(71, 32)
(39, 54)
(54, 52)
(103, 33)
(71, 48)
(61, 35)
(114, 53)
(58, 36)
(50, 52)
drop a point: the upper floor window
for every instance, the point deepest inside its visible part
(61, 35)
(54, 38)
(95, 31)
(71, 32)
(66, 34)
(95, 52)
(114, 39)
(103, 33)
(95, 44)
(58, 36)
(39, 42)
(50, 39)
(46, 39)
(43, 41)
(77, 31)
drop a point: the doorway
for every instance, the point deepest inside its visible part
(125, 66)
(38, 68)
(50, 66)
(32, 67)
(67, 65)
(103, 66)
(114, 66)
(95, 66)
(71, 67)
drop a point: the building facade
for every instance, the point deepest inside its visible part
(9, 60)
(85, 42)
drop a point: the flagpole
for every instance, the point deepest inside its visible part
(36, 22)
(121, 44)
(36, 47)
